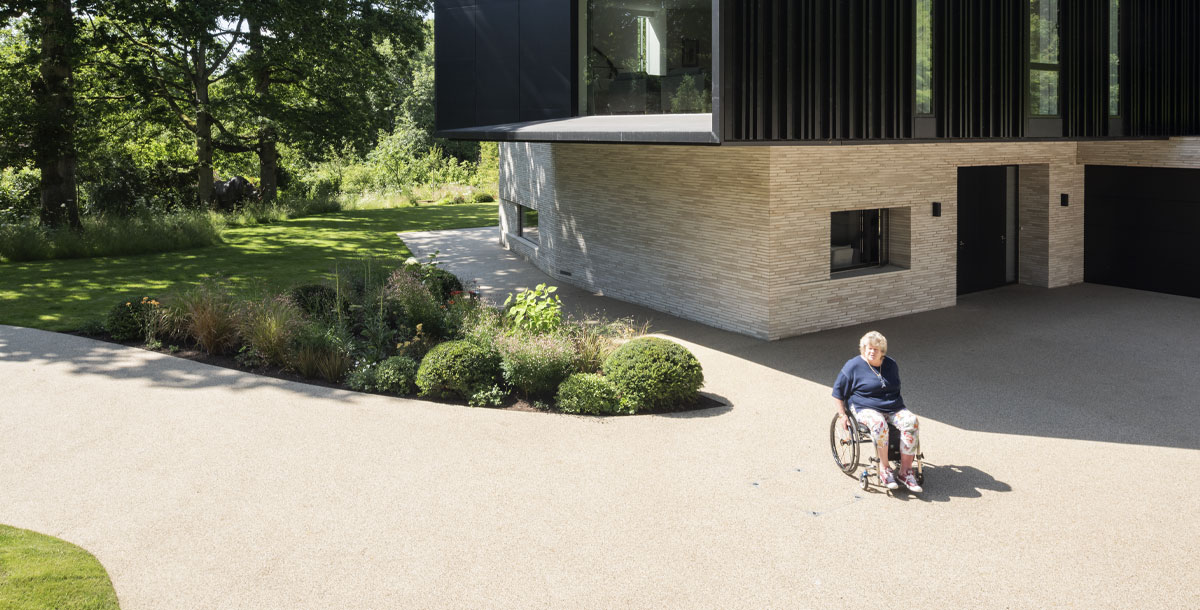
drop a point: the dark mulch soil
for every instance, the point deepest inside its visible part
(512, 403)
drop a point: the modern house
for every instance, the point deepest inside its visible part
(776, 167)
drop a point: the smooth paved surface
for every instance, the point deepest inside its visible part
(1061, 428)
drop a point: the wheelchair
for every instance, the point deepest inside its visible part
(845, 444)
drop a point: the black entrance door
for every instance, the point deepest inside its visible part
(982, 238)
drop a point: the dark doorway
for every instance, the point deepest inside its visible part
(986, 227)
(1141, 226)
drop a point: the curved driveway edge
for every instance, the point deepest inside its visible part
(200, 487)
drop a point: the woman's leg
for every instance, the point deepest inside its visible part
(877, 424)
(906, 422)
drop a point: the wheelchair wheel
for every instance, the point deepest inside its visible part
(844, 444)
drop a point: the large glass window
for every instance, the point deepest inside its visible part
(858, 239)
(1043, 57)
(648, 56)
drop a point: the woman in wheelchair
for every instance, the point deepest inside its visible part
(870, 384)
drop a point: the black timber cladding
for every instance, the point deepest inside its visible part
(1084, 49)
(979, 53)
(818, 69)
(1160, 68)
(504, 61)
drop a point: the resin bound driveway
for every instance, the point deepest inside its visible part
(1061, 428)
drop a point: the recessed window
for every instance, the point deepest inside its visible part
(527, 223)
(1043, 58)
(858, 239)
(648, 56)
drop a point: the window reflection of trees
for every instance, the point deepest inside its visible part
(648, 56)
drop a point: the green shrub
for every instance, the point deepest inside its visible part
(267, 328)
(93, 328)
(588, 393)
(396, 375)
(362, 378)
(210, 317)
(316, 300)
(595, 339)
(534, 365)
(490, 397)
(129, 320)
(483, 326)
(321, 351)
(654, 373)
(457, 369)
(482, 197)
(417, 304)
(534, 310)
(441, 283)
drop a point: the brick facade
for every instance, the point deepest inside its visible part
(738, 237)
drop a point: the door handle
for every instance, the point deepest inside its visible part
(961, 243)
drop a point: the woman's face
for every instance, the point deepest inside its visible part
(873, 354)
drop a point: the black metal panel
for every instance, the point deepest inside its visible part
(497, 59)
(818, 69)
(454, 63)
(1084, 77)
(547, 83)
(503, 61)
(1160, 72)
(979, 67)
(1141, 225)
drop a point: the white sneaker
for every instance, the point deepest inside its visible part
(910, 481)
(887, 479)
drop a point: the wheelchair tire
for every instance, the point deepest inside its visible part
(844, 444)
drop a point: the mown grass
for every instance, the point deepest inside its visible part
(38, 572)
(65, 294)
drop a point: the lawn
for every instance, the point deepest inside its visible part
(64, 294)
(37, 572)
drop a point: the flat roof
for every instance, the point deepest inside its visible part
(626, 128)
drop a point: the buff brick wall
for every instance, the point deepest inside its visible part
(737, 237)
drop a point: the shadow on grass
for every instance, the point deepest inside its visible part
(62, 295)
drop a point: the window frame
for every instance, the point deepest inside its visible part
(882, 231)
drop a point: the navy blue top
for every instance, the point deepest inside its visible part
(860, 386)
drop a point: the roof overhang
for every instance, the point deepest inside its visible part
(626, 128)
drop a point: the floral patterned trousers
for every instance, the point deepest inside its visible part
(904, 420)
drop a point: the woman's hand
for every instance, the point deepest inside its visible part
(841, 406)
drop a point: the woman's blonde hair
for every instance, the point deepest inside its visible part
(872, 338)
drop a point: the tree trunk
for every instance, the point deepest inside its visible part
(268, 155)
(204, 145)
(55, 139)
